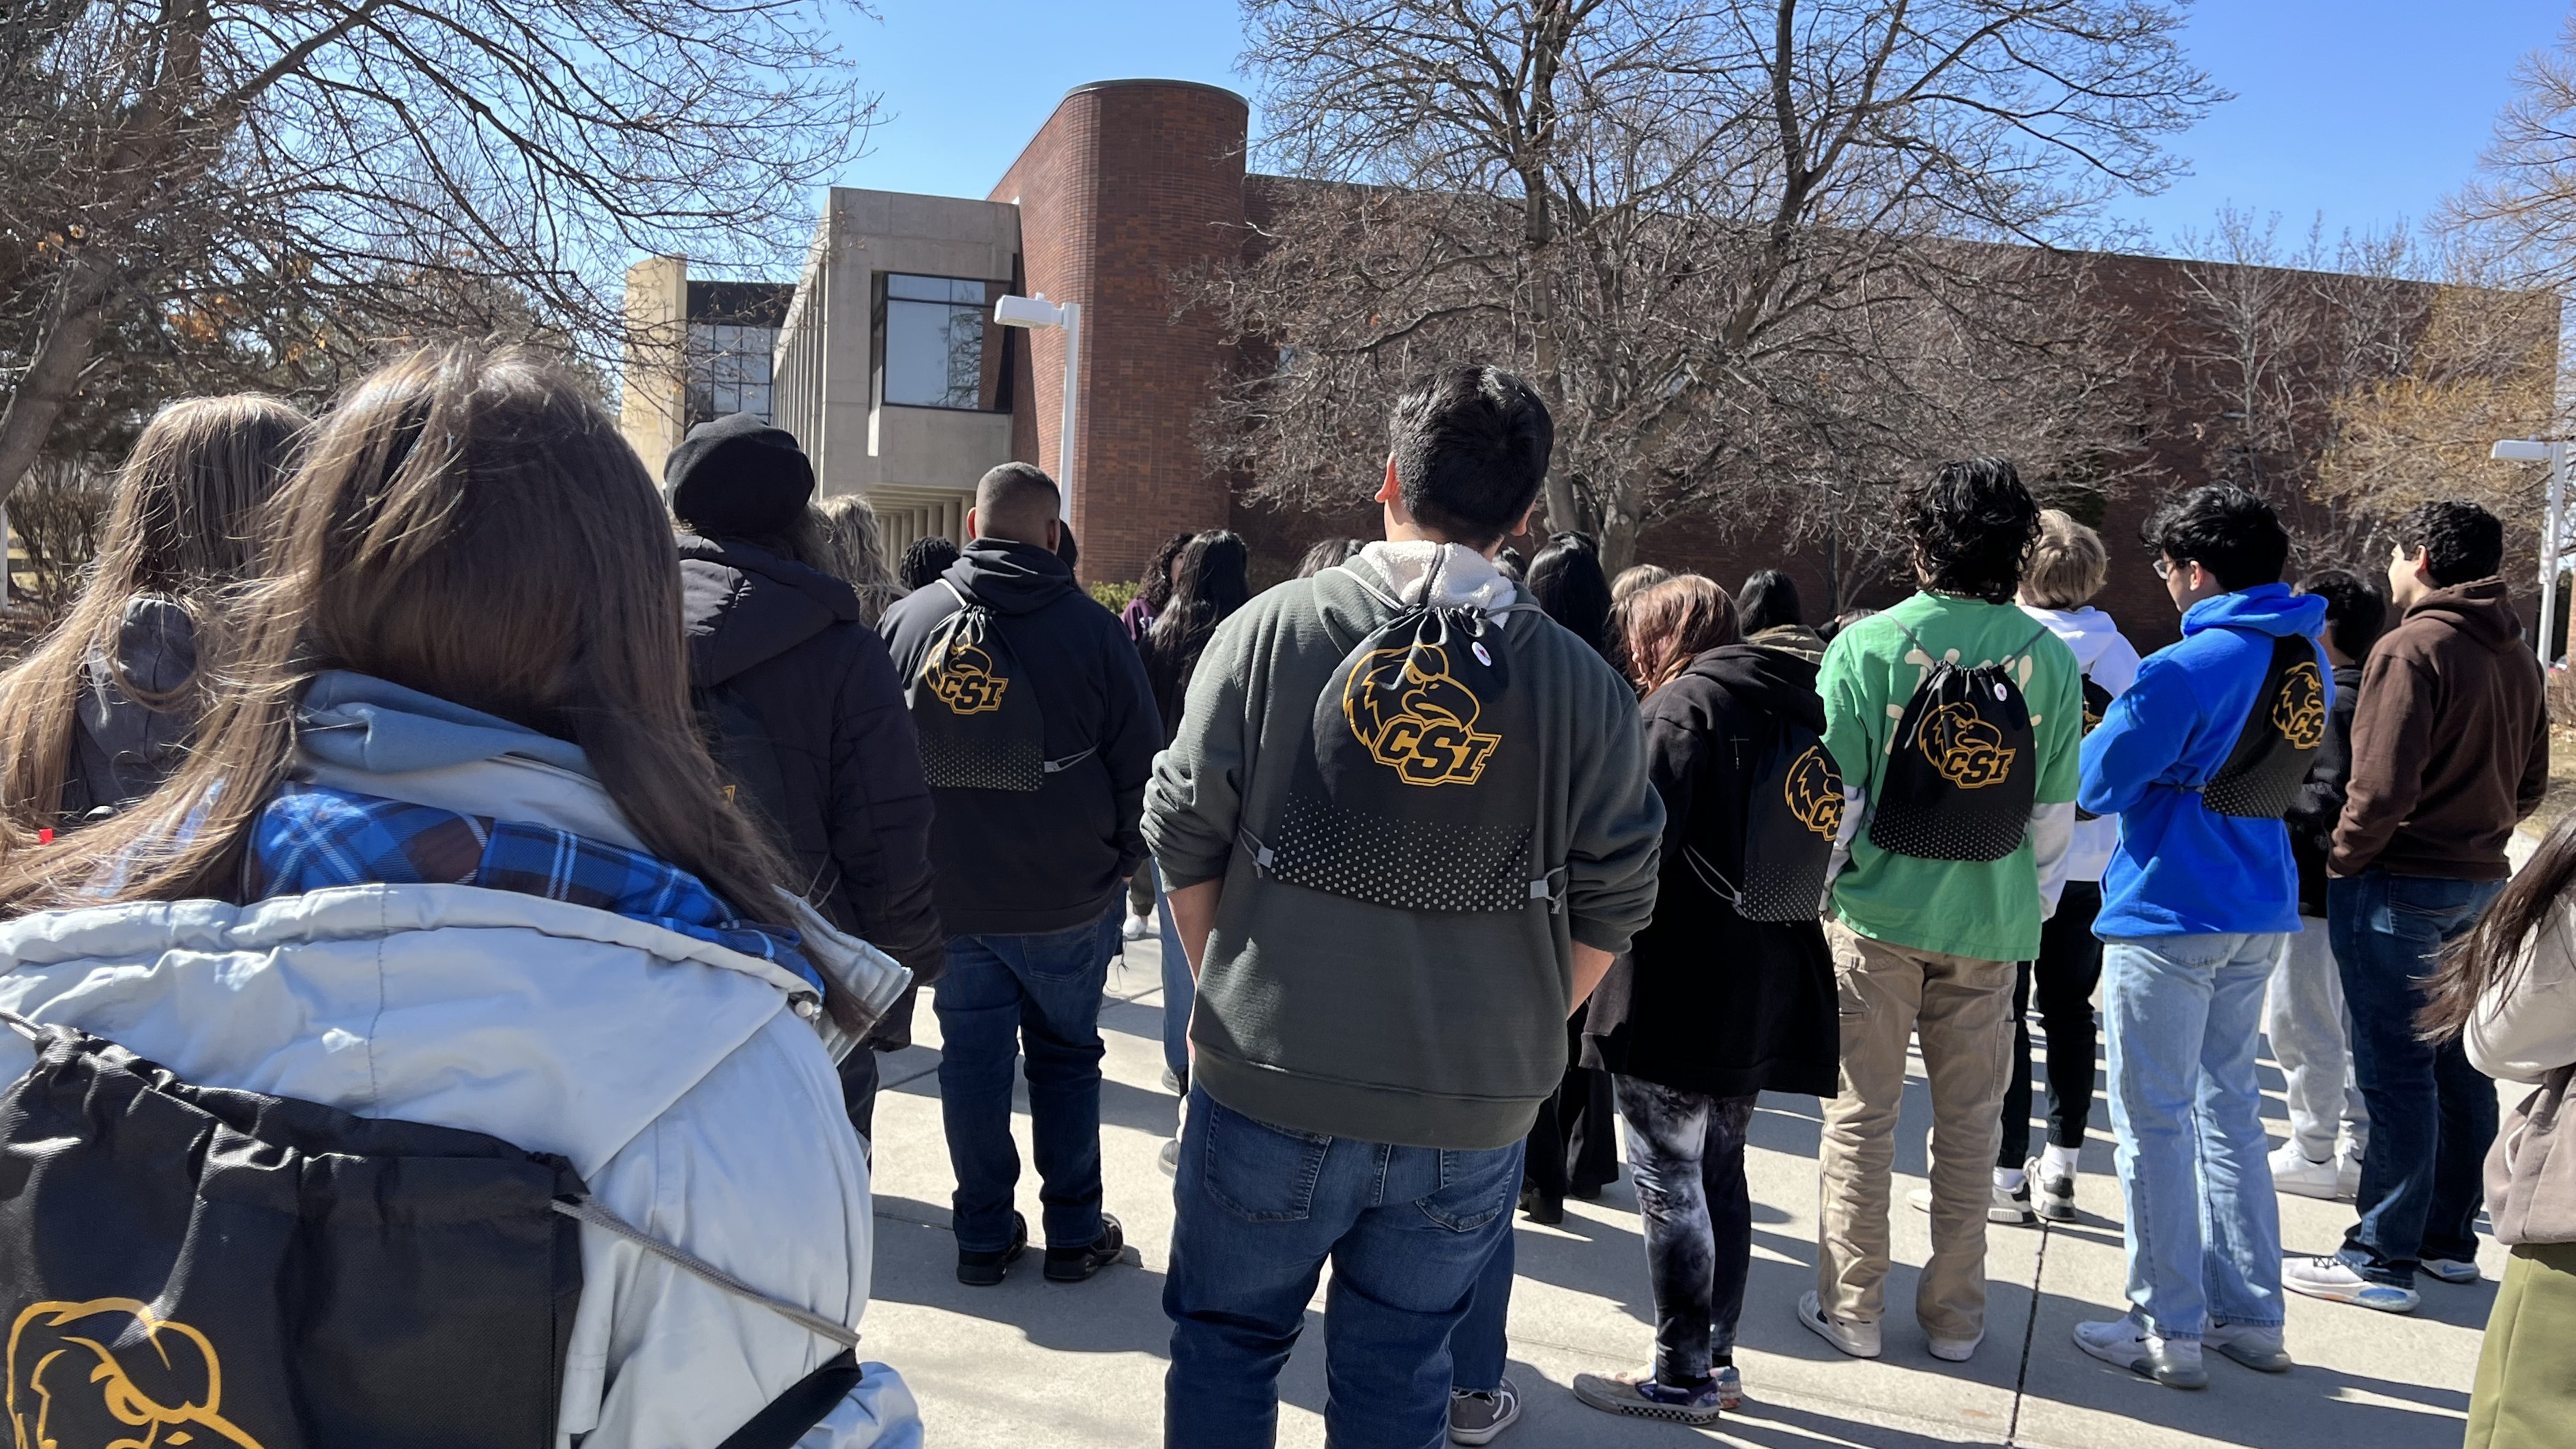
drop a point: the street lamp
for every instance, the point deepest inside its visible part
(2532, 450)
(1037, 312)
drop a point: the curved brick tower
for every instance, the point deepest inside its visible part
(1127, 184)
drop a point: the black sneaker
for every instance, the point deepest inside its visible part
(983, 1270)
(1541, 1209)
(1076, 1265)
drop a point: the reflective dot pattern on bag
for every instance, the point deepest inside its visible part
(1412, 865)
(981, 761)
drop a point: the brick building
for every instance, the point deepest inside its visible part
(888, 365)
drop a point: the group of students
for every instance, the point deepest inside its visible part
(424, 828)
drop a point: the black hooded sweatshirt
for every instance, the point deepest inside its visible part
(1014, 864)
(1705, 1000)
(786, 643)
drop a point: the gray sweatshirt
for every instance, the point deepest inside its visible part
(1335, 1016)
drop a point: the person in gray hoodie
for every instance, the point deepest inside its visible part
(1372, 1045)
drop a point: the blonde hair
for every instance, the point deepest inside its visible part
(857, 551)
(2067, 565)
(181, 525)
(1673, 623)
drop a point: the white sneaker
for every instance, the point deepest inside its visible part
(1860, 1340)
(2294, 1171)
(1137, 928)
(1953, 1350)
(2011, 1208)
(2256, 1348)
(2055, 1199)
(2334, 1281)
(2450, 1270)
(2174, 1363)
(2347, 1173)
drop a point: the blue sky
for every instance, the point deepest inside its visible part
(2364, 111)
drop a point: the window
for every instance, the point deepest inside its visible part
(729, 370)
(936, 346)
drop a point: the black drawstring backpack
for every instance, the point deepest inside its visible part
(2097, 707)
(2262, 774)
(1421, 787)
(1962, 777)
(978, 716)
(218, 1269)
(1790, 821)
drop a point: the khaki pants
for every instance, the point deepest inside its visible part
(1962, 1010)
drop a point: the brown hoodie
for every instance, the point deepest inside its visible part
(2450, 742)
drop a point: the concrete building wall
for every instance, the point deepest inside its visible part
(1128, 185)
(918, 466)
(653, 391)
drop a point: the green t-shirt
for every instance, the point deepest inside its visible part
(1985, 909)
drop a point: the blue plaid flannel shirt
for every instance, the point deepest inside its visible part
(310, 838)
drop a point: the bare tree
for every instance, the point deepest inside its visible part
(1716, 232)
(276, 182)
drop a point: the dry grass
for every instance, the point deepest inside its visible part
(2562, 783)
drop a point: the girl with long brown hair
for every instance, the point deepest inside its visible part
(451, 851)
(2507, 993)
(1716, 1001)
(100, 713)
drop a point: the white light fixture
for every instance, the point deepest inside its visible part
(1036, 313)
(2533, 450)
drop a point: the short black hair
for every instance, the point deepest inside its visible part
(926, 559)
(1016, 501)
(1768, 600)
(2225, 528)
(2355, 610)
(1972, 524)
(1471, 447)
(2462, 542)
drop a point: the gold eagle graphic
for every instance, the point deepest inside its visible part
(1415, 718)
(1814, 791)
(1967, 751)
(112, 1374)
(2299, 709)
(961, 676)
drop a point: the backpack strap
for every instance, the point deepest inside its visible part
(586, 1209)
(787, 1418)
(954, 592)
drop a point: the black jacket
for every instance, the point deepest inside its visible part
(1025, 864)
(785, 641)
(2313, 814)
(1705, 1000)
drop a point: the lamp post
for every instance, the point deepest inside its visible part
(2533, 450)
(1035, 313)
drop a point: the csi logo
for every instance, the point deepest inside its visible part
(961, 677)
(1415, 718)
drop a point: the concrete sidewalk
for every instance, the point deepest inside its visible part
(1035, 1364)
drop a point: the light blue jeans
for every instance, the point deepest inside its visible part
(2181, 1016)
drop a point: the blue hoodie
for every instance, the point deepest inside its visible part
(2183, 869)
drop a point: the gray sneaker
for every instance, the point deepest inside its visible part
(1477, 1418)
(2257, 1348)
(2174, 1363)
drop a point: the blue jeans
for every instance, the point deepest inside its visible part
(2432, 1115)
(1180, 989)
(1481, 1347)
(1257, 1211)
(1004, 995)
(2181, 1016)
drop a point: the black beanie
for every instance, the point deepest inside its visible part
(738, 477)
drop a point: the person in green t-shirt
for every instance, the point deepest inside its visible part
(1925, 948)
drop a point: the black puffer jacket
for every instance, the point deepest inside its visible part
(1705, 1000)
(122, 748)
(786, 643)
(1014, 864)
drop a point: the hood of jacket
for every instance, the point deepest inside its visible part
(1795, 639)
(2088, 631)
(2482, 610)
(156, 645)
(1009, 577)
(1766, 678)
(2264, 609)
(742, 606)
(1354, 596)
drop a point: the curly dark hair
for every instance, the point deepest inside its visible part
(926, 560)
(2225, 528)
(1972, 524)
(1157, 590)
(2356, 610)
(2462, 542)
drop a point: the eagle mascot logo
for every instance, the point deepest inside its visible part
(112, 1374)
(1814, 791)
(1415, 718)
(1967, 751)
(2299, 710)
(962, 677)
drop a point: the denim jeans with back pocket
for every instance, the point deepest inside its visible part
(2432, 1115)
(1258, 1211)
